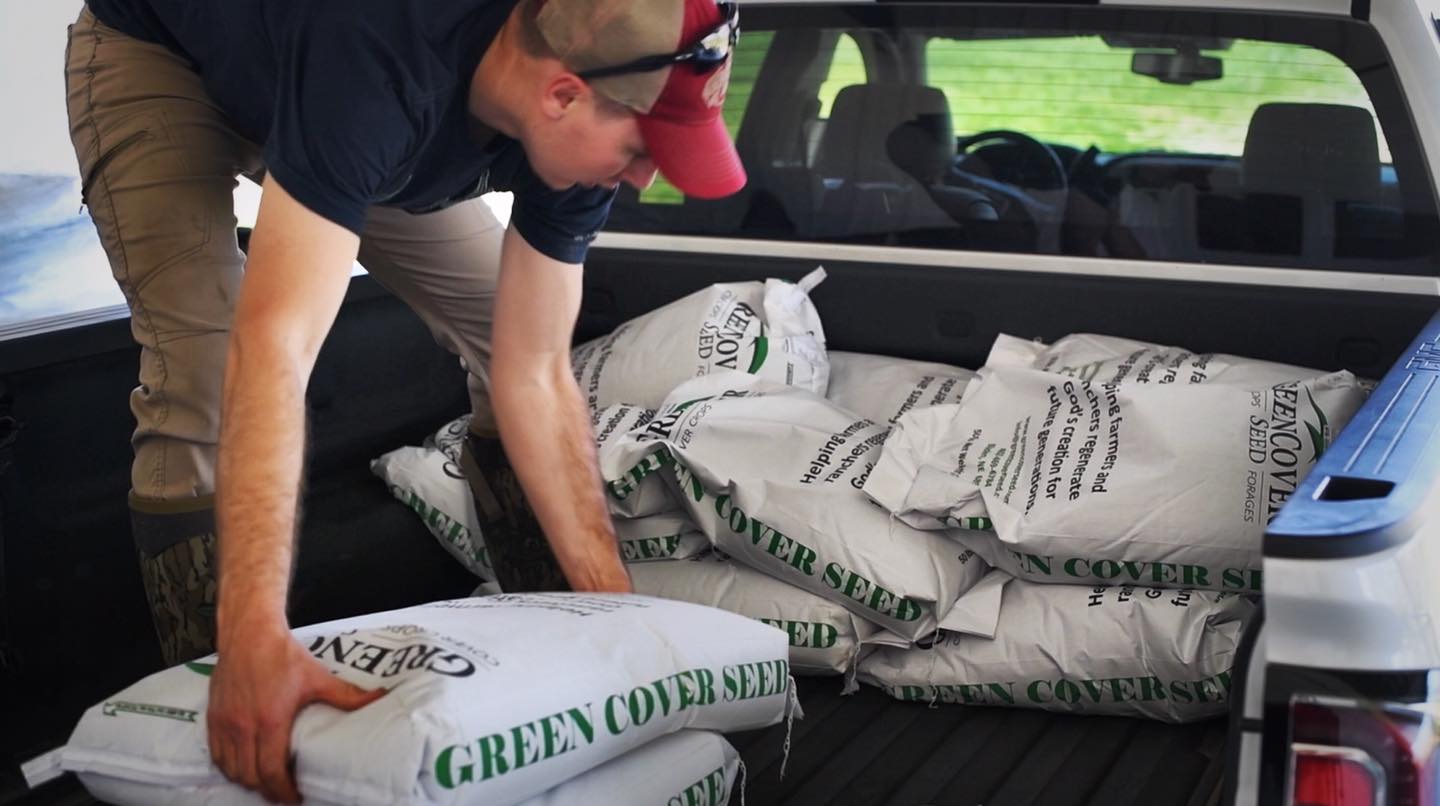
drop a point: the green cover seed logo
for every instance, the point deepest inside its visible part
(1122, 571)
(708, 791)
(722, 342)
(1081, 694)
(1277, 450)
(547, 737)
(794, 556)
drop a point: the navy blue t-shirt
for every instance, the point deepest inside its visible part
(361, 102)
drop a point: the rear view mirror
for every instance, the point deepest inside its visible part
(1177, 66)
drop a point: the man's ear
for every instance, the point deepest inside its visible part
(562, 93)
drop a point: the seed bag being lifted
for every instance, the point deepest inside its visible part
(768, 329)
(478, 710)
(772, 475)
(689, 767)
(825, 638)
(881, 388)
(1111, 359)
(1112, 483)
(1161, 653)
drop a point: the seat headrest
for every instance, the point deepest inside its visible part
(1312, 148)
(886, 133)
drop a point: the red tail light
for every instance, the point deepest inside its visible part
(1336, 776)
(1353, 753)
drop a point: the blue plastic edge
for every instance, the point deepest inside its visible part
(1392, 439)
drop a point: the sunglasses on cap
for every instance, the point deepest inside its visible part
(709, 53)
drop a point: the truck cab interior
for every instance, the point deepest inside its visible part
(1089, 136)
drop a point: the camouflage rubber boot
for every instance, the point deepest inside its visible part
(176, 544)
(519, 552)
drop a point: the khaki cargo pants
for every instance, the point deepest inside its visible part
(158, 164)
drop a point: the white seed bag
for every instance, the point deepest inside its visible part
(478, 709)
(431, 484)
(649, 497)
(825, 638)
(1111, 359)
(772, 474)
(767, 329)
(1112, 483)
(689, 767)
(647, 516)
(1132, 651)
(880, 388)
(645, 495)
(670, 536)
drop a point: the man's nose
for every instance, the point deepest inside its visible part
(640, 173)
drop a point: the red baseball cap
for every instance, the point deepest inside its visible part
(669, 61)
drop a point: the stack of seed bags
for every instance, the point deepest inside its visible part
(1152, 652)
(1102, 462)
(826, 636)
(622, 703)
(1106, 461)
(768, 329)
(772, 474)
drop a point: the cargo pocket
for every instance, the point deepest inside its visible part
(105, 159)
(153, 202)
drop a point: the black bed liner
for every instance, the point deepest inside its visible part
(869, 750)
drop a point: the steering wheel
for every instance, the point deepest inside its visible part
(1047, 173)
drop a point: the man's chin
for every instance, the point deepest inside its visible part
(555, 183)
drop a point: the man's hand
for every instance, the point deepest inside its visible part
(544, 422)
(295, 279)
(264, 681)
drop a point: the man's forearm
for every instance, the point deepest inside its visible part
(546, 431)
(262, 437)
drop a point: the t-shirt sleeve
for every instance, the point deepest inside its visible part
(558, 223)
(342, 132)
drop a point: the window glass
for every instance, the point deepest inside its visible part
(1184, 136)
(1081, 91)
(847, 66)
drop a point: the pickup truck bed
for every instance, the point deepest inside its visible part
(74, 628)
(77, 626)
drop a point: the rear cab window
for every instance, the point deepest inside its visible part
(1178, 136)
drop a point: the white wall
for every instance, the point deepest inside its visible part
(51, 263)
(34, 137)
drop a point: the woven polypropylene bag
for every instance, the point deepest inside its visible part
(491, 700)
(1082, 482)
(767, 329)
(1159, 653)
(772, 475)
